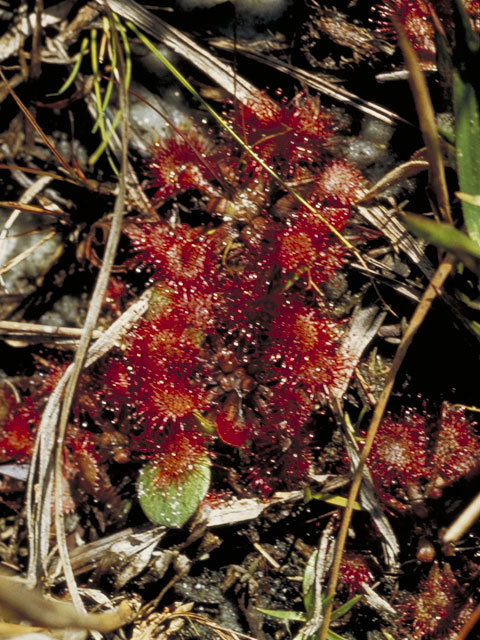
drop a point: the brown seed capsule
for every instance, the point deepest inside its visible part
(425, 550)
(122, 456)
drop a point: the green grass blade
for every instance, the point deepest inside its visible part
(293, 616)
(467, 130)
(338, 501)
(75, 70)
(108, 91)
(105, 139)
(345, 608)
(103, 104)
(126, 49)
(446, 237)
(96, 81)
(466, 61)
(426, 121)
(331, 635)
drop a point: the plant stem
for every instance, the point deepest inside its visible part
(431, 292)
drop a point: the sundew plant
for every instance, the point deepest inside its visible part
(258, 295)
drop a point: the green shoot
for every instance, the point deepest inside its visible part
(76, 68)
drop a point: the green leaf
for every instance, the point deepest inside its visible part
(468, 198)
(308, 584)
(465, 61)
(173, 504)
(75, 70)
(331, 635)
(444, 236)
(345, 608)
(295, 616)
(338, 501)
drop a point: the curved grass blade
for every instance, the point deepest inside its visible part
(293, 616)
(103, 104)
(126, 49)
(105, 140)
(112, 24)
(75, 70)
(444, 236)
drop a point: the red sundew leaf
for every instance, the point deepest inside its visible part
(305, 116)
(231, 425)
(19, 421)
(399, 451)
(280, 461)
(184, 258)
(17, 435)
(307, 243)
(284, 135)
(295, 462)
(311, 130)
(177, 166)
(166, 393)
(87, 459)
(415, 16)
(178, 254)
(329, 260)
(297, 249)
(457, 448)
(338, 185)
(400, 457)
(354, 571)
(161, 399)
(117, 380)
(164, 342)
(248, 299)
(164, 357)
(303, 347)
(174, 448)
(115, 295)
(440, 608)
(261, 114)
(288, 409)
(193, 308)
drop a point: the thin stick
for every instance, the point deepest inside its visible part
(25, 329)
(37, 127)
(427, 122)
(469, 624)
(464, 521)
(423, 307)
(31, 192)
(33, 606)
(22, 256)
(90, 323)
